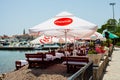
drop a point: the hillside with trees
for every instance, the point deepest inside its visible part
(111, 25)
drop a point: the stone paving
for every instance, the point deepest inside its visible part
(113, 68)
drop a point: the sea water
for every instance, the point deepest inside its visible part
(8, 58)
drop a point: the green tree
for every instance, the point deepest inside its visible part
(119, 23)
(99, 30)
(112, 25)
(118, 28)
(104, 27)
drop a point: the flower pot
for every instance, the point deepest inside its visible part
(95, 58)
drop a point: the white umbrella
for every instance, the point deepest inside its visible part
(49, 40)
(66, 24)
(95, 36)
(42, 40)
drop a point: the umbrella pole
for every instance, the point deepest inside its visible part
(51, 39)
(74, 42)
(66, 38)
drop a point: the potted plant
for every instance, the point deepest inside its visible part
(92, 54)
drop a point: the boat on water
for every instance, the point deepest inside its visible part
(27, 46)
(4, 42)
(17, 46)
(46, 46)
(1, 45)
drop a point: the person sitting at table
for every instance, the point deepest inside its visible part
(75, 52)
(60, 50)
(83, 49)
(99, 49)
(87, 49)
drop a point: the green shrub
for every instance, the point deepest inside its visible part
(91, 44)
(92, 51)
(118, 43)
(108, 41)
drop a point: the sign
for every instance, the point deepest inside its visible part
(63, 21)
(45, 40)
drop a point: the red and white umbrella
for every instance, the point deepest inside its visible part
(49, 40)
(42, 40)
(65, 24)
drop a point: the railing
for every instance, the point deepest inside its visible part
(85, 73)
(110, 51)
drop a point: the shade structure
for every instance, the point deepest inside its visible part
(95, 36)
(65, 24)
(42, 40)
(111, 35)
(50, 40)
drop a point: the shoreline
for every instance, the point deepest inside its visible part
(53, 72)
(16, 48)
(27, 48)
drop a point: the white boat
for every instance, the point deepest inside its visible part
(47, 46)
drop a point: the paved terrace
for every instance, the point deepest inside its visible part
(113, 68)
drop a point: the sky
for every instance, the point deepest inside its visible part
(17, 15)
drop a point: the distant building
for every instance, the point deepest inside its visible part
(23, 31)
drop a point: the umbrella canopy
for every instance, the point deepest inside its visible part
(49, 40)
(111, 35)
(65, 24)
(95, 36)
(42, 40)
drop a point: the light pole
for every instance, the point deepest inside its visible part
(112, 4)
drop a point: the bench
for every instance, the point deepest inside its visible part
(20, 63)
(75, 62)
(56, 56)
(37, 60)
